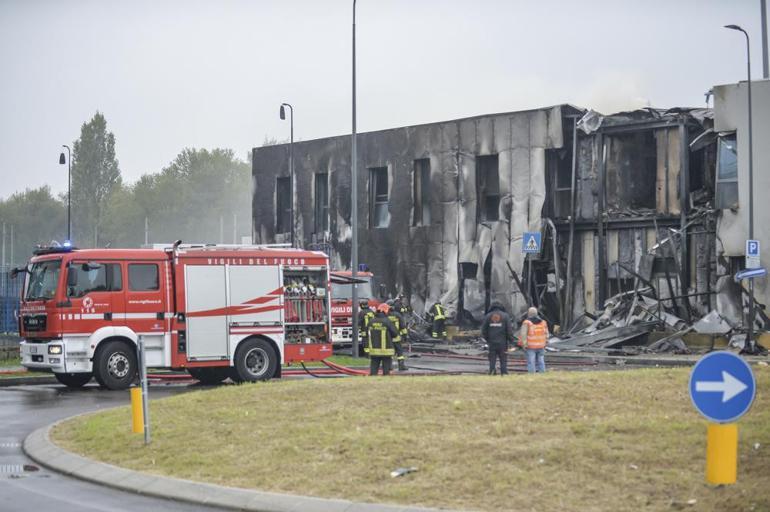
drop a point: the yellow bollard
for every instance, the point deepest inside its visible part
(722, 453)
(137, 415)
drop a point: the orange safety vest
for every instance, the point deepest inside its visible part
(537, 334)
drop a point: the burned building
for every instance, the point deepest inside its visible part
(442, 206)
(625, 202)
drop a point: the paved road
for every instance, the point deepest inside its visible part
(26, 408)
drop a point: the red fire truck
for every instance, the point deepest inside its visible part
(216, 311)
(342, 302)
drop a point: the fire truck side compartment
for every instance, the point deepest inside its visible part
(207, 336)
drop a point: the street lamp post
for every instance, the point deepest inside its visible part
(354, 204)
(750, 344)
(69, 189)
(291, 165)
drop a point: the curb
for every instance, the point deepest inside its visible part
(27, 381)
(39, 447)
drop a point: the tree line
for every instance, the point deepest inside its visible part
(201, 196)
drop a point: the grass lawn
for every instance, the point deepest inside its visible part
(5, 363)
(566, 441)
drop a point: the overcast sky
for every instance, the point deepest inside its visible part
(170, 74)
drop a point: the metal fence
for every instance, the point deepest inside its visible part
(10, 289)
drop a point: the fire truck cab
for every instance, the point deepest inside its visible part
(216, 311)
(342, 302)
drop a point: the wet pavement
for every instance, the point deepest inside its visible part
(25, 486)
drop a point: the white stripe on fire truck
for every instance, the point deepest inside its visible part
(255, 331)
(98, 316)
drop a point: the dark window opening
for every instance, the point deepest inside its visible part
(321, 207)
(632, 162)
(143, 277)
(469, 270)
(95, 278)
(282, 205)
(379, 214)
(727, 173)
(421, 192)
(559, 165)
(488, 187)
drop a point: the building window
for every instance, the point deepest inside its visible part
(379, 216)
(727, 173)
(632, 163)
(488, 187)
(143, 277)
(559, 165)
(321, 207)
(421, 192)
(282, 205)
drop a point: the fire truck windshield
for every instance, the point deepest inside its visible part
(345, 291)
(43, 280)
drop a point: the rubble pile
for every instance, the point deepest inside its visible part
(639, 322)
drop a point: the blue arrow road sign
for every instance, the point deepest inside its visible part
(722, 386)
(530, 242)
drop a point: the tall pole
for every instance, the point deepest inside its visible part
(146, 231)
(291, 170)
(354, 203)
(235, 228)
(750, 344)
(291, 167)
(765, 66)
(69, 192)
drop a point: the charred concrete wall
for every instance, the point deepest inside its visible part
(474, 223)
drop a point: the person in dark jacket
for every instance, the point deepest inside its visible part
(381, 334)
(497, 330)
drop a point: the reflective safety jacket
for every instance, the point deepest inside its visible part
(537, 333)
(381, 334)
(364, 317)
(398, 322)
(437, 312)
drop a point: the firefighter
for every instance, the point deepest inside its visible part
(365, 314)
(380, 338)
(398, 341)
(533, 337)
(402, 306)
(437, 316)
(497, 331)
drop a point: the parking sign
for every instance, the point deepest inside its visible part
(753, 248)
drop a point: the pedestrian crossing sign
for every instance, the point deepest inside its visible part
(530, 243)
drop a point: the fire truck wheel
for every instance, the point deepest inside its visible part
(255, 360)
(209, 376)
(115, 365)
(73, 380)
